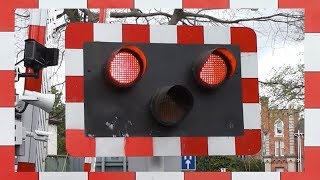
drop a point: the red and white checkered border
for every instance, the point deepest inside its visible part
(160, 146)
(312, 91)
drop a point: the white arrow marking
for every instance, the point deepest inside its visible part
(188, 162)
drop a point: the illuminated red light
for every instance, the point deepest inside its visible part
(214, 70)
(126, 66)
(217, 66)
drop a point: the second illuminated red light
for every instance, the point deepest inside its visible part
(216, 66)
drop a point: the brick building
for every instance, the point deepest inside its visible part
(279, 141)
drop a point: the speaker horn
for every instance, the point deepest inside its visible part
(43, 101)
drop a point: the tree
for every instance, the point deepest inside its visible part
(285, 87)
(292, 19)
(231, 163)
(58, 114)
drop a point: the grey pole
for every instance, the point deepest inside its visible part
(124, 164)
(103, 164)
(155, 164)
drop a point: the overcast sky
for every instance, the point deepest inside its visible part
(276, 57)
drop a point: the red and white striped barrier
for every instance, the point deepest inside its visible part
(78, 33)
(312, 92)
(7, 101)
(161, 175)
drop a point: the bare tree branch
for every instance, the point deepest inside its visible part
(178, 14)
(263, 18)
(137, 14)
(270, 83)
(22, 16)
(62, 83)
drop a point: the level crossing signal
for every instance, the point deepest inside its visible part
(162, 90)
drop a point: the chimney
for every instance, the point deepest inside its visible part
(264, 101)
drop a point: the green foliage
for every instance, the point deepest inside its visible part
(58, 114)
(231, 163)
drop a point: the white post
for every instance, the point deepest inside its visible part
(300, 154)
(124, 164)
(103, 164)
(299, 158)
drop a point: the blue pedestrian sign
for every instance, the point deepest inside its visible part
(188, 163)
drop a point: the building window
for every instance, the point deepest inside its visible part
(278, 128)
(278, 148)
(264, 142)
(281, 148)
